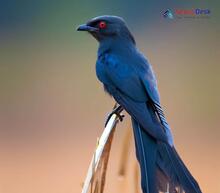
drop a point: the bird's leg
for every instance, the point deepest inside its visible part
(116, 110)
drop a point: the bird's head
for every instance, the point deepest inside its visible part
(107, 28)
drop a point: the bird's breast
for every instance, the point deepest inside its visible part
(100, 72)
(106, 62)
(117, 74)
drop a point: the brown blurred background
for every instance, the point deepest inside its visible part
(52, 108)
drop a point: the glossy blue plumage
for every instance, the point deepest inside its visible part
(129, 78)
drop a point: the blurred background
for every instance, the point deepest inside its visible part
(52, 107)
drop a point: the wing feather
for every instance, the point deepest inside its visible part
(150, 83)
(124, 83)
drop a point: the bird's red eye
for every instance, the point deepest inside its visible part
(102, 25)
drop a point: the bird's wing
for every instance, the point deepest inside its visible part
(127, 88)
(114, 70)
(150, 83)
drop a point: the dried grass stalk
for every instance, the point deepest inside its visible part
(95, 179)
(125, 153)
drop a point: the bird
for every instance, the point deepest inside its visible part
(128, 77)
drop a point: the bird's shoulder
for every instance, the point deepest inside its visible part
(119, 71)
(148, 78)
(114, 65)
(131, 66)
(130, 59)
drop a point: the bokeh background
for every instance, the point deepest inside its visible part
(52, 107)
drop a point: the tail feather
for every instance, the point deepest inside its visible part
(162, 170)
(192, 182)
(175, 169)
(146, 155)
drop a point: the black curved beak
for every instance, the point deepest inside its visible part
(85, 27)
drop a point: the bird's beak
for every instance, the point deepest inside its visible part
(85, 27)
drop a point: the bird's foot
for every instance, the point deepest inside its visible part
(116, 110)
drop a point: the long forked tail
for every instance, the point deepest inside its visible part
(177, 174)
(162, 170)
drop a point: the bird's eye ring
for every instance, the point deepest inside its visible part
(102, 25)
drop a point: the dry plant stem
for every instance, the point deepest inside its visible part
(93, 171)
(125, 152)
(136, 178)
(106, 156)
(98, 179)
(98, 153)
